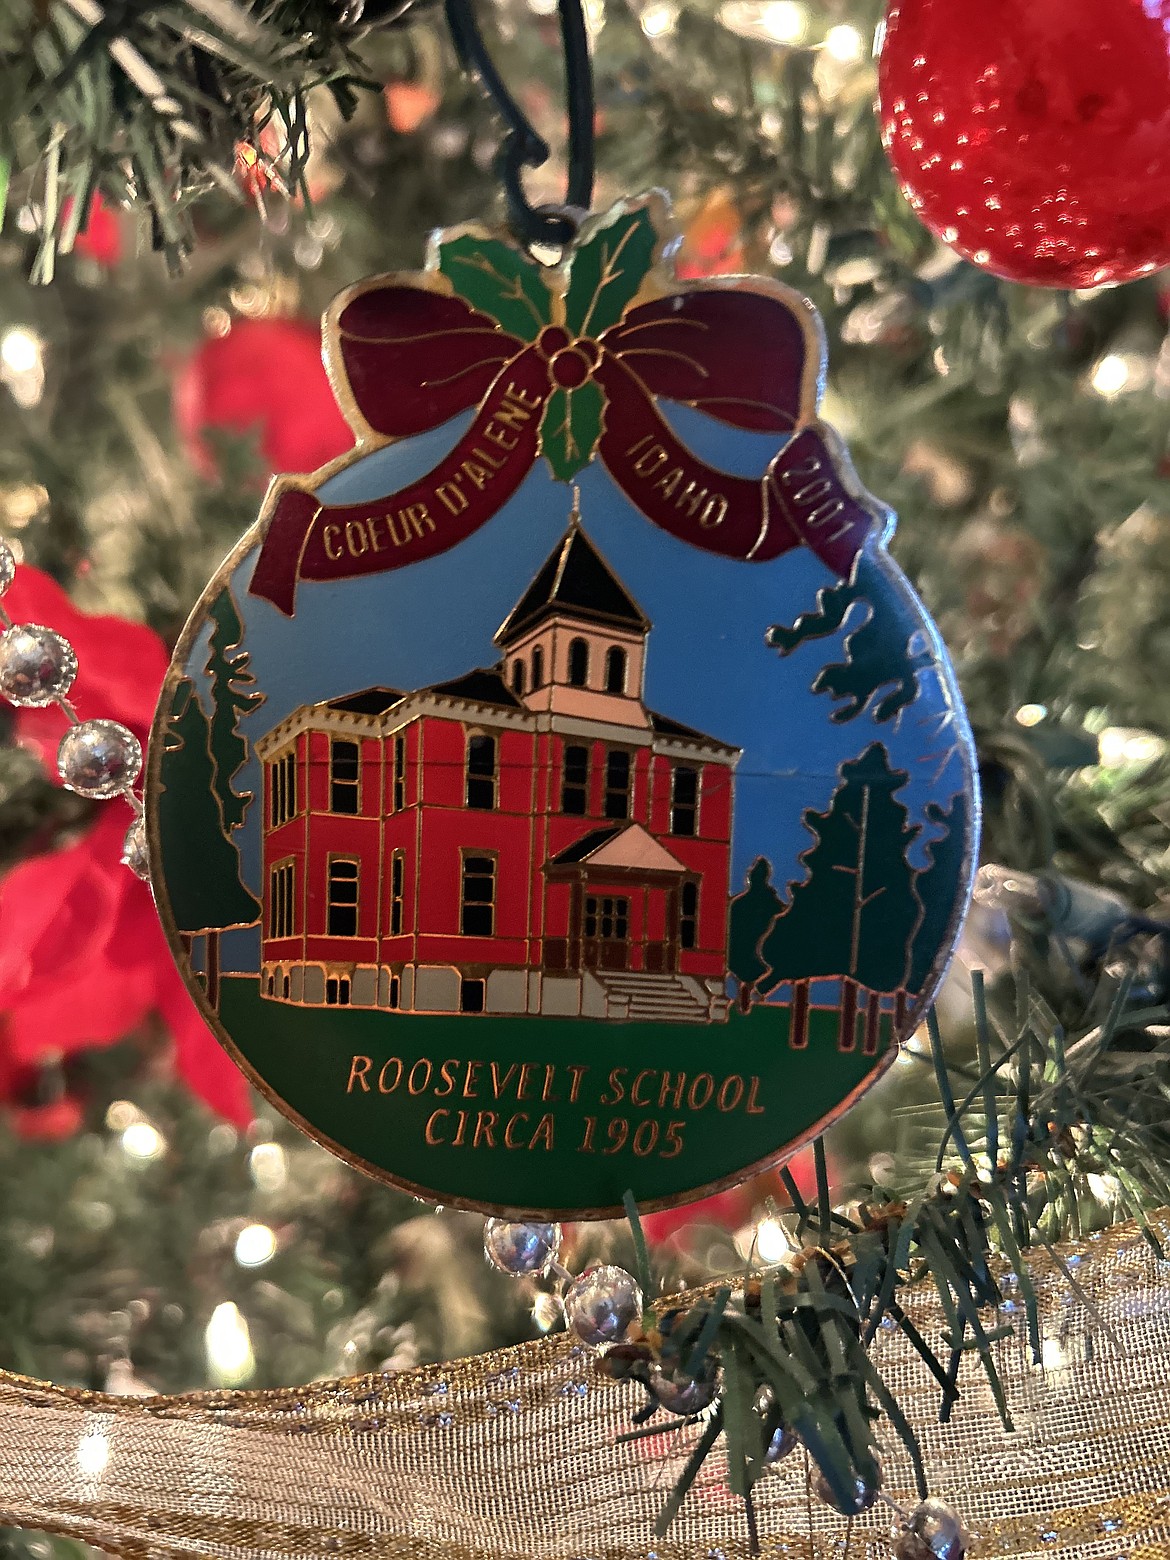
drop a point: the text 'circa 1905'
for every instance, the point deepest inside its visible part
(509, 1105)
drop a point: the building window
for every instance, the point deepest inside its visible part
(399, 775)
(397, 868)
(607, 917)
(394, 995)
(344, 776)
(472, 995)
(575, 782)
(615, 670)
(617, 783)
(282, 900)
(578, 663)
(481, 771)
(537, 668)
(477, 916)
(517, 676)
(283, 782)
(337, 991)
(684, 800)
(341, 917)
(688, 921)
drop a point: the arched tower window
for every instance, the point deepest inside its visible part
(578, 663)
(615, 670)
(537, 668)
(517, 676)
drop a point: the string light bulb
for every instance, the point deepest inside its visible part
(844, 44)
(228, 1345)
(255, 1245)
(773, 1242)
(142, 1141)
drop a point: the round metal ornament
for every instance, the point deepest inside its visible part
(526, 850)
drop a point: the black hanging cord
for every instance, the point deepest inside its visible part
(522, 147)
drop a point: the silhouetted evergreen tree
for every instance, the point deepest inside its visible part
(233, 695)
(206, 893)
(881, 665)
(855, 914)
(937, 887)
(749, 920)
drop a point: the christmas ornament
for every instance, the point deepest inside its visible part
(99, 758)
(860, 1497)
(101, 238)
(602, 1305)
(933, 1532)
(510, 873)
(1034, 139)
(37, 666)
(521, 1249)
(7, 567)
(679, 1393)
(264, 376)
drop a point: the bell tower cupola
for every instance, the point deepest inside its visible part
(575, 642)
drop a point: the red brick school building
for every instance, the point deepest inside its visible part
(527, 838)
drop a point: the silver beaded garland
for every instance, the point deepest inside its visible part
(521, 1248)
(99, 758)
(934, 1531)
(602, 1305)
(7, 567)
(134, 851)
(37, 666)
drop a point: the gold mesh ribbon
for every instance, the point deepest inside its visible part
(513, 1454)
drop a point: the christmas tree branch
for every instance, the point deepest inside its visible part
(1024, 1150)
(149, 104)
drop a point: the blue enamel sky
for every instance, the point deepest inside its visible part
(707, 664)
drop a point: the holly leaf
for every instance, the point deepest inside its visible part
(742, 357)
(415, 358)
(499, 282)
(606, 272)
(570, 428)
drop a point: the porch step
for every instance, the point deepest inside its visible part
(666, 998)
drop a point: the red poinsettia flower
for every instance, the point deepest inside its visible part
(264, 377)
(83, 959)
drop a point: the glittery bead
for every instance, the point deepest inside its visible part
(37, 665)
(99, 758)
(521, 1248)
(134, 851)
(865, 1492)
(602, 1305)
(783, 1442)
(682, 1394)
(7, 567)
(934, 1532)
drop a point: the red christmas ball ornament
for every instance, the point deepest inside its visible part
(1035, 138)
(264, 375)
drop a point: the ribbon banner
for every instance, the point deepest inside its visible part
(570, 376)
